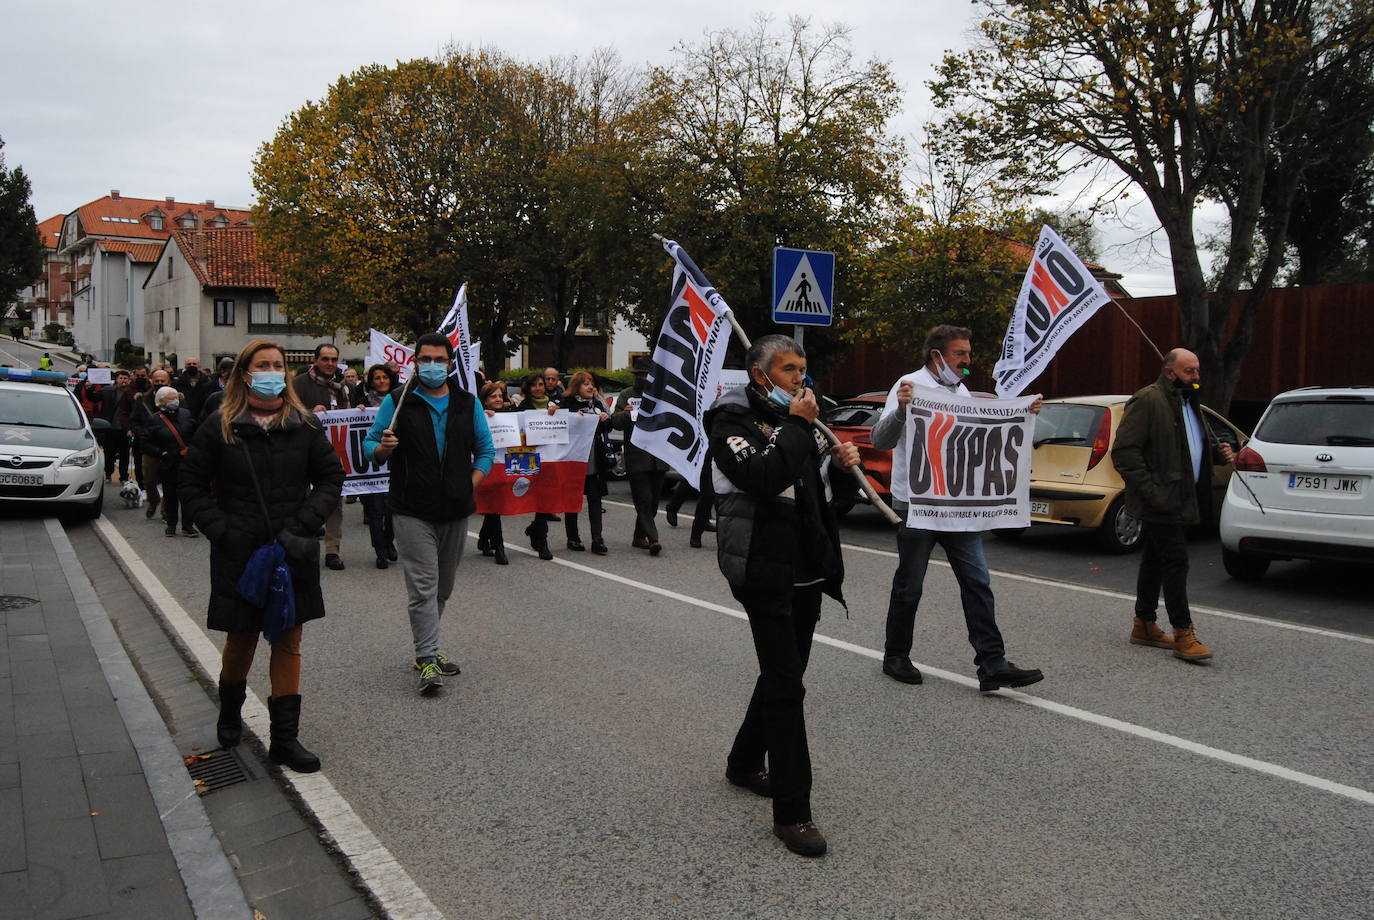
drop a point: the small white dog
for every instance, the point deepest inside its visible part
(131, 495)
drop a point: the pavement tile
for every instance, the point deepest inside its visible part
(111, 763)
(63, 858)
(124, 816)
(14, 895)
(146, 886)
(9, 775)
(30, 648)
(98, 729)
(27, 621)
(34, 676)
(32, 748)
(37, 713)
(53, 789)
(12, 851)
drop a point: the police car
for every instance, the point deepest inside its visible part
(48, 450)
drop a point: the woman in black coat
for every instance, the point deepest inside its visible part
(580, 396)
(263, 423)
(166, 438)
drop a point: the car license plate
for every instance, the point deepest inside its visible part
(1040, 508)
(1346, 485)
(20, 479)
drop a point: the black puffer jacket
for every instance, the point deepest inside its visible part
(301, 480)
(776, 528)
(158, 440)
(601, 447)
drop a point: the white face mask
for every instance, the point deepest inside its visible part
(945, 374)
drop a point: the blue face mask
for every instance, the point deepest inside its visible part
(267, 384)
(433, 375)
(781, 397)
(82, 375)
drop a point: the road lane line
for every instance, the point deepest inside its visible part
(393, 888)
(1115, 595)
(1073, 712)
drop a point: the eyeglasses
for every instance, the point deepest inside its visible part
(430, 359)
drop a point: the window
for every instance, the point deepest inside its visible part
(169, 265)
(186, 222)
(224, 313)
(176, 319)
(264, 316)
(161, 320)
(218, 221)
(154, 219)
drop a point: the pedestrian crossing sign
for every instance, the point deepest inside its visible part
(803, 287)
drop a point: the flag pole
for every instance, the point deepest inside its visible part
(1131, 319)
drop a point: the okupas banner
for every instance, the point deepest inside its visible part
(1058, 295)
(970, 461)
(347, 428)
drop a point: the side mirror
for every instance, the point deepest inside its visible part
(99, 424)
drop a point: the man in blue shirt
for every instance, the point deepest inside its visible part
(439, 448)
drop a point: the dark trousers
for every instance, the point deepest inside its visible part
(1163, 563)
(591, 488)
(645, 491)
(378, 522)
(705, 496)
(964, 550)
(115, 443)
(783, 623)
(490, 534)
(171, 506)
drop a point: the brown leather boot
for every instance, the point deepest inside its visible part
(1147, 632)
(1188, 648)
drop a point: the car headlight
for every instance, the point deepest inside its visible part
(82, 458)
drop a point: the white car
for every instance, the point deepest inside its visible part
(1303, 484)
(48, 450)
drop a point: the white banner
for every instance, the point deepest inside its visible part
(543, 428)
(383, 349)
(689, 352)
(347, 428)
(969, 461)
(455, 327)
(505, 429)
(1057, 297)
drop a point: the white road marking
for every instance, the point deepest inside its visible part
(9, 354)
(389, 883)
(1073, 712)
(1115, 595)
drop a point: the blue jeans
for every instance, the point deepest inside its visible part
(964, 550)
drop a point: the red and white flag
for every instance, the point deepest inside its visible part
(544, 477)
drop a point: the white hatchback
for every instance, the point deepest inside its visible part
(1304, 484)
(48, 450)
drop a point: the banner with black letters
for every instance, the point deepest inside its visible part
(970, 461)
(347, 429)
(1058, 295)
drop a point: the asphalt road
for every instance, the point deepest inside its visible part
(575, 768)
(22, 354)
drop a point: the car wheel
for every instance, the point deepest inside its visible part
(1119, 531)
(1242, 567)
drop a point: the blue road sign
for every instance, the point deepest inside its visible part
(803, 287)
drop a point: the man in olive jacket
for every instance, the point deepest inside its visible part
(1163, 452)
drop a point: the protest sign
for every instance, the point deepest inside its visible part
(383, 349)
(543, 428)
(505, 429)
(549, 478)
(347, 428)
(1058, 295)
(98, 375)
(969, 461)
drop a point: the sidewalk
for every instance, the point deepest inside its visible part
(99, 814)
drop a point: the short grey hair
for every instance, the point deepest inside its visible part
(766, 349)
(166, 394)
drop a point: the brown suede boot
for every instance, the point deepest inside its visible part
(1188, 648)
(1147, 632)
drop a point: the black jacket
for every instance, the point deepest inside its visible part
(422, 485)
(195, 390)
(775, 526)
(301, 480)
(597, 462)
(158, 441)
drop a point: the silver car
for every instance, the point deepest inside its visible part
(1302, 488)
(48, 449)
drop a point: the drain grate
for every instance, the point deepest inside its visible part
(16, 601)
(212, 772)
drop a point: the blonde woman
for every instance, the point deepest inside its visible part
(259, 469)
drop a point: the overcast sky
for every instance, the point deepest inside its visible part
(158, 98)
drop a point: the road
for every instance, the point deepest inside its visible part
(22, 354)
(575, 768)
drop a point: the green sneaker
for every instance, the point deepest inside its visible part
(431, 678)
(446, 667)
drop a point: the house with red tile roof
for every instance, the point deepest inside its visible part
(209, 294)
(49, 298)
(109, 246)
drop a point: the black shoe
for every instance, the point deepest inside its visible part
(483, 546)
(190, 532)
(804, 839)
(899, 667)
(285, 749)
(332, 561)
(500, 554)
(1010, 676)
(599, 547)
(670, 515)
(447, 668)
(640, 542)
(756, 781)
(169, 532)
(431, 678)
(392, 555)
(382, 563)
(695, 542)
(575, 544)
(152, 508)
(708, 527)
(543, 549)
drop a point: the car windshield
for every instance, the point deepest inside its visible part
(1068, 423)
(1325, 422)
(855, 415)
(39, 410)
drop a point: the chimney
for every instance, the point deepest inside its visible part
(171, 200)
(209, 202)
(114, 193)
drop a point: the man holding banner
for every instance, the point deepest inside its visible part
(958, 467)
(438, 448)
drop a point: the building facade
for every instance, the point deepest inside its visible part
(49, 298)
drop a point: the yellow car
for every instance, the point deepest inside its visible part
(1073, 481)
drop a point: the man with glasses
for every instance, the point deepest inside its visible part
(320, 389)
(438, 448)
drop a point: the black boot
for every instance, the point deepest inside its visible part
(229, 727)
(286, 722)
(500, 553)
